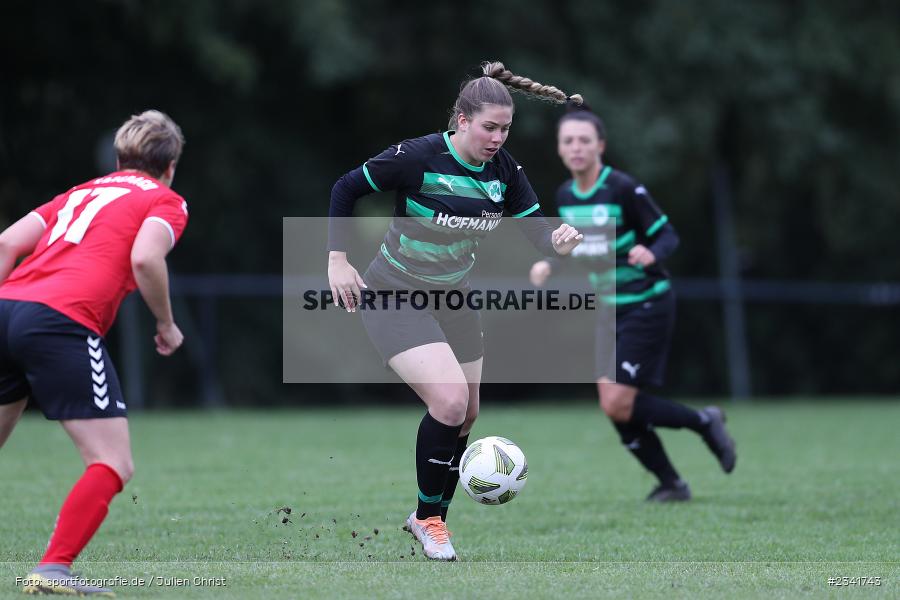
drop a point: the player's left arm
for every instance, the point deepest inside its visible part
(18, 240)
(653, 227)
(161, 229)
(522, 203)
(148, 263)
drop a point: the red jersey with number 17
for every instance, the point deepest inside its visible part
(81, 266)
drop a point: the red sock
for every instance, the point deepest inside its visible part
(82, 513)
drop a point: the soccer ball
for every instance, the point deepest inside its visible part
(493, 470)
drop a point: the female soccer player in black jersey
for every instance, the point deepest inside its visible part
(635, 285)
(452, 189)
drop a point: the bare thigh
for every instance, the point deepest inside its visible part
(433, 372)
(105, 441)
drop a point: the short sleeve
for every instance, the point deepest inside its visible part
(44, 213)
(395, 168)
(171, 211)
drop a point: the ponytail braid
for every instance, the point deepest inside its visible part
(493, 88)
(524, 85)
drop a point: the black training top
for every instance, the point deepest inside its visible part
(444, 205)
(638, 220)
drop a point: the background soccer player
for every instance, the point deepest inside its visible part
(438, 178)
(89, 247)
(634, 283)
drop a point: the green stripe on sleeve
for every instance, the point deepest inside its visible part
(624, 242)
(656, 226)
(369, 178)
(525, 213)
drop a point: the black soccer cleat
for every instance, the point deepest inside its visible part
(675, 492)
(717, 438)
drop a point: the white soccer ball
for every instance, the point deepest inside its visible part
(493, 470)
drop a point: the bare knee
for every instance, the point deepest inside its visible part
(123, 466)
(103, 441)
(449, 403)
(617, 401)
(125, 469)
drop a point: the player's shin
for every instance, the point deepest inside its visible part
(647, 448)
(81, 514)
(435, 446)
(453, 475)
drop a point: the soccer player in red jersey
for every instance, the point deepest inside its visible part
(87, 249)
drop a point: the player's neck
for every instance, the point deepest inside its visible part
(586, 179)
(456, 140)
(137, 172)
(164, 178)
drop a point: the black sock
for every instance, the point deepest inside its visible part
(646, 446)
(659, 412)
(435, 445)
(453, 475)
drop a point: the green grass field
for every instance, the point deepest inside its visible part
(815, 495)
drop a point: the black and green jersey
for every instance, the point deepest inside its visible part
(617, 201)
(444, 206)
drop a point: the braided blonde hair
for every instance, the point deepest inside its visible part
(533, 89)
(493, 88)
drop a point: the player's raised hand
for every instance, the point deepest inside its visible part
(168, 338)
(641, 255)
(565, 238)
(539, 273)
(344, 280)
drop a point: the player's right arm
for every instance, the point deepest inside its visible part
(19, 239)
(389, 170)
(148, 263)
(343, 278)
(542, 270)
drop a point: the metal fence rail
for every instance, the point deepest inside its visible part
(200, 325)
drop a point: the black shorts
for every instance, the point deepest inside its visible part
(61, 365)
(394, 330)
(643, 334)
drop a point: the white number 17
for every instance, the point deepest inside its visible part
(75, 233)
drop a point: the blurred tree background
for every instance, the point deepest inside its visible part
(798, 101)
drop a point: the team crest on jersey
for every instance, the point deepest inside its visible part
(495, 191)
(600, 215)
